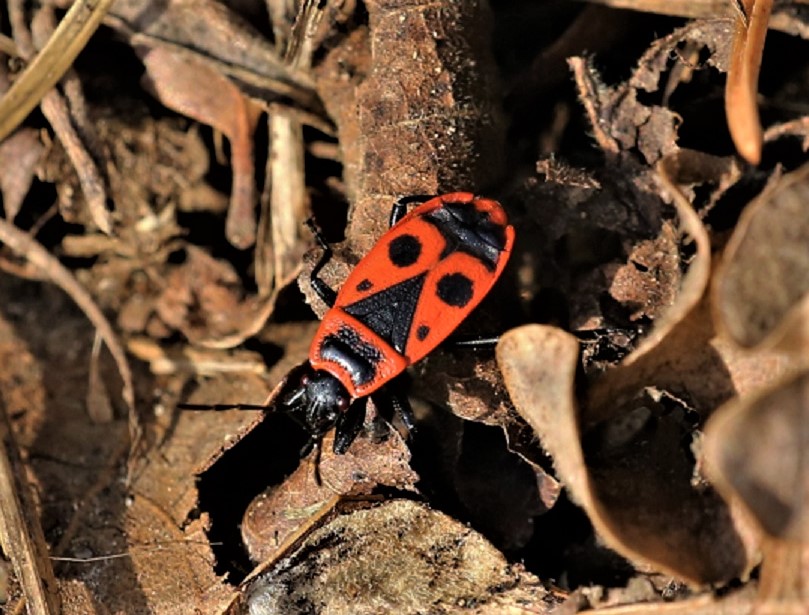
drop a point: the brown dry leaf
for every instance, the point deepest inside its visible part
(690, 288)
(620, 121)
(398, 557)
(739, 443)
(630, 427)
(167, 475)
(415, 100)
(205, 30)
(798, 128)
(286, 509)
(404, 104)
(190, 443)
(20, 155)
(761, 290)
(692, 364)
(632, 477)
(755, 451)
(197, 90)
(157, 544)
(680, 355)
(282, 238)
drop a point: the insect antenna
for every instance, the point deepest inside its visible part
(222, 407)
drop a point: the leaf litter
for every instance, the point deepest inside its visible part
(633, 445)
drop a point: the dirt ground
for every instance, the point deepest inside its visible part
(633, 443)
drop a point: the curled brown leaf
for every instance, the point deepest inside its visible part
(761, 290)
(755, 451)
(632, 477)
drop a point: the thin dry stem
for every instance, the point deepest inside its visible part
(48, 67)
(741, 105)
(20, 532)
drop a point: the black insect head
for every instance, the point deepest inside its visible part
(318, 401)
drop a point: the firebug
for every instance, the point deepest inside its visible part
(417, 284)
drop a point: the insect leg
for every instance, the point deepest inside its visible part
(401, 405)
(393, 398)
(323, 290)
(313, 445)
(399, 209)
(349, 425)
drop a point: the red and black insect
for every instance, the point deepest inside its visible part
(416, 285)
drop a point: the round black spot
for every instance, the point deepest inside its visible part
(455, 289)
(366, 284)
(404, 250)
(422, 332)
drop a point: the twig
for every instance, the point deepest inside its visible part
(741, 106)
(284, 202)
(588, 95)
(73, 129)
(20, 531)
(48, 67)
(8, 47)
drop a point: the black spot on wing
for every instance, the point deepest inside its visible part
(366, 284)
(389, 312)
(404, 250)
(422, 332)
(455, 289)
(465, 229)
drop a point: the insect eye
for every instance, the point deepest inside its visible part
(342, 404)
(304, 379)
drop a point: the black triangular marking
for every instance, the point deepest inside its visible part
(389, 313)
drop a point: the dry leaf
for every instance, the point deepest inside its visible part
(632, 477)
(20, 155)
(399, 557)
(761, 291)
(755, 450)
(198, 91)
(740, 442)
(284, 509)
(205, 31)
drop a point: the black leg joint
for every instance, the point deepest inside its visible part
(399, 209)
